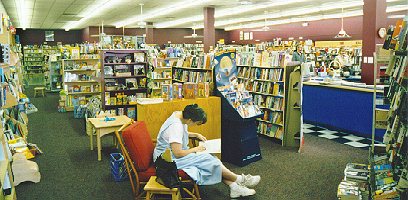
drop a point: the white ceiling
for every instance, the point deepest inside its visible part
(230, 14)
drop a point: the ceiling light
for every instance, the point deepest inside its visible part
(304, 24)
(289, 13)
(93, 11)
(245, 3)
(396, 16)
(342, 33)
(22, 13)
(300, 38)
(291, 38)
(227, 12)
(173, 8)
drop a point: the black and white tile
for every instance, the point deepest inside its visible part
(340, 137)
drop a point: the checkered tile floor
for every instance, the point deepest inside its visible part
(340, 137)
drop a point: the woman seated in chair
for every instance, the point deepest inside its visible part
(204, 168)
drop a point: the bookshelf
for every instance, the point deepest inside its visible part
(193, 69)
(263, 74)
(123, 79)
(395, 154)
(80, 81)
(161, 74)
(33, 65)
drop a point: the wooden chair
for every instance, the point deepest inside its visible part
(137, 149)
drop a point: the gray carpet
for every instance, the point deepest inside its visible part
(70, 170)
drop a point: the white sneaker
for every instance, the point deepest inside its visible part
(241, 191)
(249, 180)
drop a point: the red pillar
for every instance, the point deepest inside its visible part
(149, 33)
(209, 30)
(374, 18)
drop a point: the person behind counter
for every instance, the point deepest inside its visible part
(342, 59)
(298, 54)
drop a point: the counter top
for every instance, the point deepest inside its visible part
(344, 87)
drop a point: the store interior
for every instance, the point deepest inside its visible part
(310, 95)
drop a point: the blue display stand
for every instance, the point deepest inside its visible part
(239, 139)
(345, 110)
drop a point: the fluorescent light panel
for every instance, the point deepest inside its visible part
(22, 13)
(161, 11)
(312, 18)
(227, 12)
(288, 13)
(93, 11)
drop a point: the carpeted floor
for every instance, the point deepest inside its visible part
(70, 170)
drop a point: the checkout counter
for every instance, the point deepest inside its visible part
(342, 107)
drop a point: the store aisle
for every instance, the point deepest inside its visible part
(71, 171)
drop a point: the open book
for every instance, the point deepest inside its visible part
(211, 146)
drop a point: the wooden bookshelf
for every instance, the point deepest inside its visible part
(124, 78)
(80, 81)
(266, 82)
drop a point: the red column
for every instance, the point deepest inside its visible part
(209, 30)
(374, 18)
(149, 33)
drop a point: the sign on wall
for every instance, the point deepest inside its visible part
(49, 36)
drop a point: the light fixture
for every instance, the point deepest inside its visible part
(141, 23)
(22, 15)
(93, 11)
(300, 38)
(396, 16)
(228, 12)
(304, 24)
(342, 33)
(291, 38)
(245, 2)
(173, 8)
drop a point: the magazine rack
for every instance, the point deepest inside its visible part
(239, 139)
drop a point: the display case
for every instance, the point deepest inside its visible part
(81, 80)
(124, 79)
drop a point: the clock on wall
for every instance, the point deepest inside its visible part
(382, 32)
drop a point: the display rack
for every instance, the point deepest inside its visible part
(193, 69)
(393, 159)
(162, 74)
(81, 80)
(124, 78)
(33, 65)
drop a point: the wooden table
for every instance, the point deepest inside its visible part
(103, 127)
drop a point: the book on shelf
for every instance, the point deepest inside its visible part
(167, 92)
(348, 190)
(177, 90)
(131, 112)
(139, 57)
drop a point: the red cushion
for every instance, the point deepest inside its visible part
(151, 171)
(139, 145)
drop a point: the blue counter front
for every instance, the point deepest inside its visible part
(341, 108)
